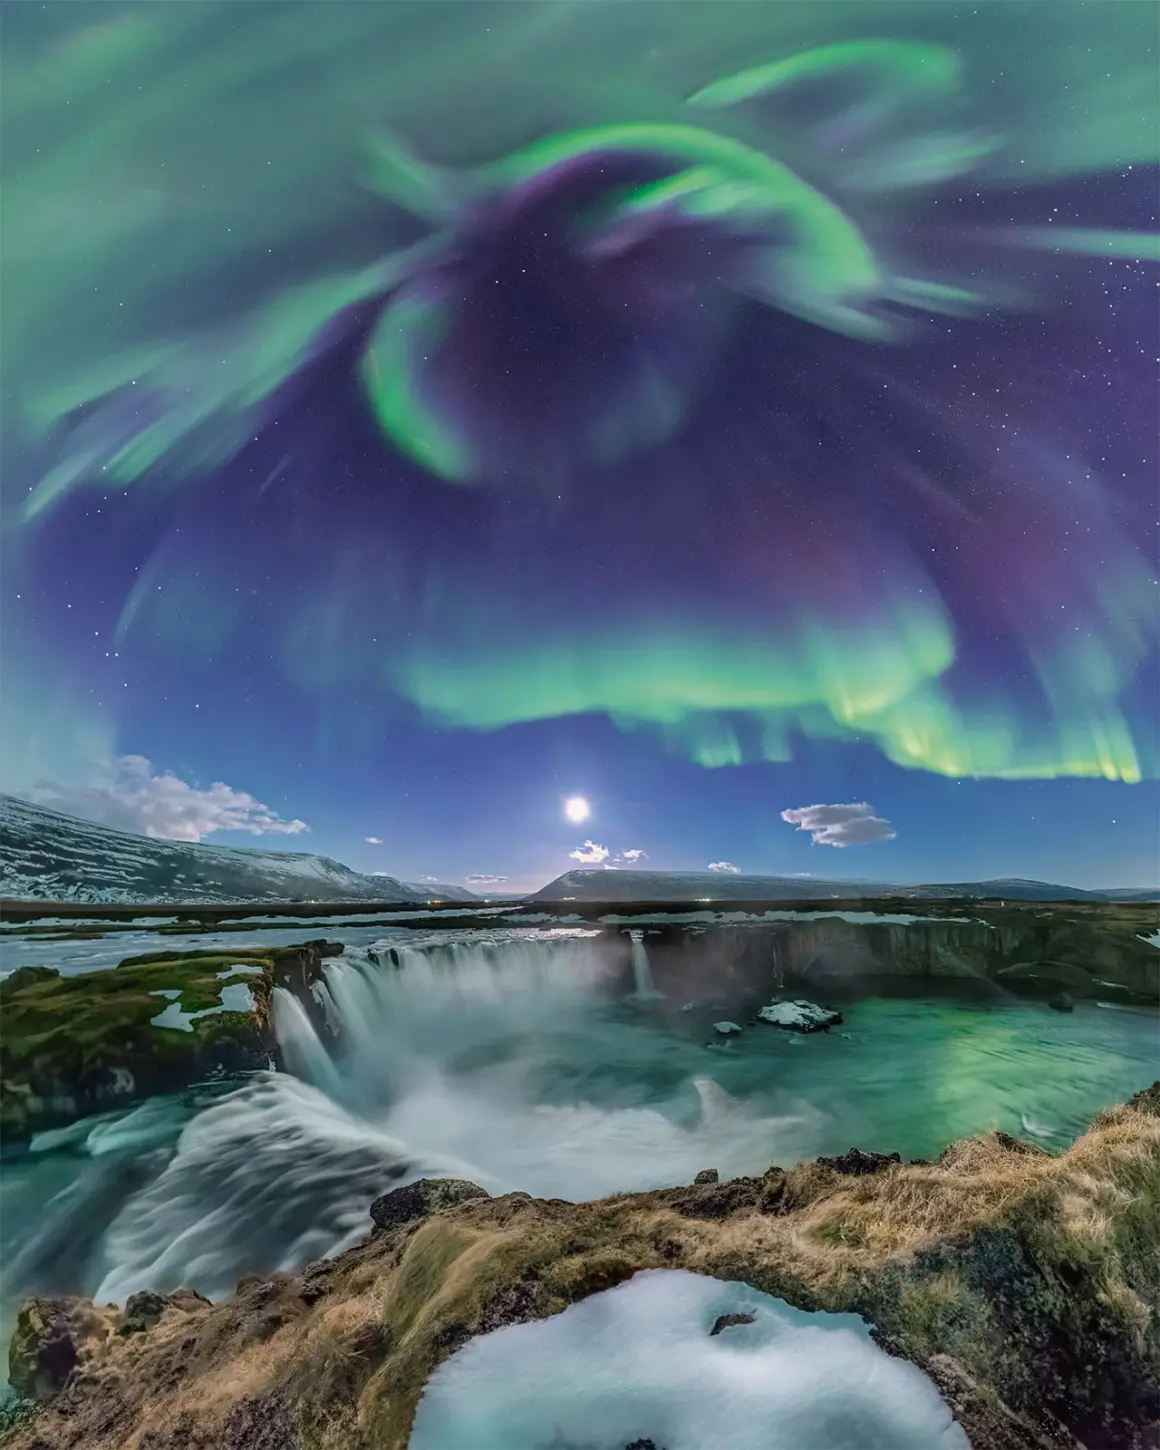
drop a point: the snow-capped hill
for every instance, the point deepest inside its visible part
(439, 891)
(48, 856)
(596, 885)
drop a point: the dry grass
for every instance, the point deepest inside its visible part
(927, 1251)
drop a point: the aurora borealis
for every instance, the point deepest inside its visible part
(703, 390)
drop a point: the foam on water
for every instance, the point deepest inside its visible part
(640, 1363)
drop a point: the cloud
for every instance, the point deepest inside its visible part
(849, 825)
(432, 878)
(373, 840)
(590, 854)
(482, 878)
(631, 858)
(130, 797)
(724, 866)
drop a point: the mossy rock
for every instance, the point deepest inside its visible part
(77, 1045)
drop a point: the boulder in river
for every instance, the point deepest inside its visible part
(727, 1029)
(800, 1016)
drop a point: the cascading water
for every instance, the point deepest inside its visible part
(520, 1061)
(644, 988)
(485, 1058)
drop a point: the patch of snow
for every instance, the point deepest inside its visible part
(641, 1362)
(234, 999)
(799, 1016)
(726, 1029)
(1153, 940)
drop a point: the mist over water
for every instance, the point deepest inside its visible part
(522, 1060)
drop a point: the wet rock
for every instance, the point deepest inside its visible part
(707, 1175)
(727, 1029)
(800, 1016)
(142, 1312)
(857, 1161)
(1062, 1002)
(727, 1321)
(416, 1200)
(52, 1338)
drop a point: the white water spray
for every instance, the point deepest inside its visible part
(644, 988)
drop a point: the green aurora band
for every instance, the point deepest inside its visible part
(82, 314)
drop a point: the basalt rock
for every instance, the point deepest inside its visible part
(416, 1200)
(1024, 1283)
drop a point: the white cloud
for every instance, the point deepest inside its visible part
(130, 797)
(482, 878)
(428, 878)
(724, 866)
(590, 854)
(632, 858)
(373, 840)
(848, 825)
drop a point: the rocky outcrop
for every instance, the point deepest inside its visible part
(1026, 1285)
(416, 1200)
(154, 1024)
(1036, 949)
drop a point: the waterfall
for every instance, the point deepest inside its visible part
(302, 1051)
(397, 1006)
(643, 986)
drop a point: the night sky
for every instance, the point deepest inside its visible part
(415, 416)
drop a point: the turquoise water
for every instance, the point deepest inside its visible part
(523, 1065)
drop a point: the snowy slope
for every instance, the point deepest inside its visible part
(596, 885)
(439, 891)
(48, 856)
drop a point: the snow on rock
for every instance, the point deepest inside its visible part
(687, 1362)
(726, 1029)
(234, 999)
(800, 1016)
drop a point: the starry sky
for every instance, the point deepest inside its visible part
(739, 416)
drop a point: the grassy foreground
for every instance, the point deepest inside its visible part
(1026, 1284)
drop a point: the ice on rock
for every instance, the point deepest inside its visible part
(726, 1029)
(800, 1016)
(641, 1362)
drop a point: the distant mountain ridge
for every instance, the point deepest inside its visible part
(46, 855)
(597, 885)
(440, 891)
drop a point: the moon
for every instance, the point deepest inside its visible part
(577, 809)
